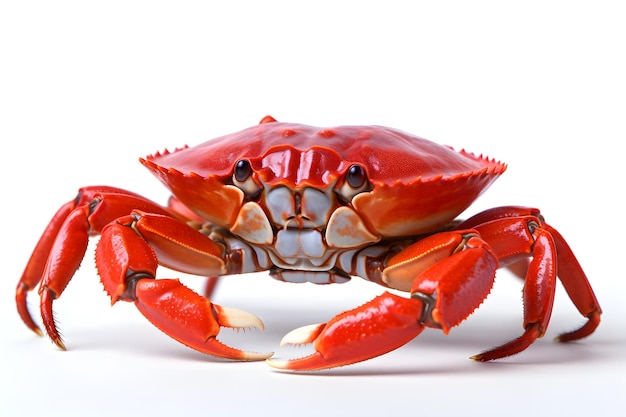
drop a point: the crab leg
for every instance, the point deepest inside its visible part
(67, 232)
(126, 258)
(538, 296)
(517, 232)
(448, 274)
(375, 328)
(36, 264)
(127, 264)
(577, 287)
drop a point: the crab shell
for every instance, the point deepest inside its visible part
(415, 186)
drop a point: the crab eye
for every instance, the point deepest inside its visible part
(355, 182)
(356, 176)
(244, 180)
(243, 170)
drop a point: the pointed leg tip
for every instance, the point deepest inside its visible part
(588, 328)
(33, 327)
(22, 310)
(59, 343)
(567, 337)
(489, 356)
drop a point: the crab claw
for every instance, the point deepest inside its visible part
(192, 319)
(377, 327)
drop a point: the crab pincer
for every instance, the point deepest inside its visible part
(373, 329)
(127, 265)
(193, 320)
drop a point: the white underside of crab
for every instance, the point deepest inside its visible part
(301, 232)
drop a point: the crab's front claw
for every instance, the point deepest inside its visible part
(192, 319)
(127, 266)
(377, 327)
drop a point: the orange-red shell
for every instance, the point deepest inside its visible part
(417, 185)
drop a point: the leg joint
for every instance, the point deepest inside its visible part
(429, 302)
(131, 280)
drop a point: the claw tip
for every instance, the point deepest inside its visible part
(277, 363)
(302, 335)
(257, 356)
(236, 318)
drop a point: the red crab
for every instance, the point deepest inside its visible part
(318, 205)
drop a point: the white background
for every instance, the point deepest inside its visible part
(88, 87)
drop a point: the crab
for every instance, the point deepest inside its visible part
(317, 205)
